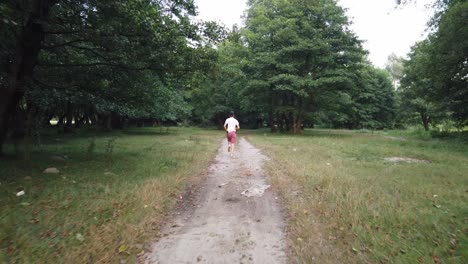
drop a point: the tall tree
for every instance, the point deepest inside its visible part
(436, 76)
(22, 37)
(448, 65)
(301, 51)
(417, 89)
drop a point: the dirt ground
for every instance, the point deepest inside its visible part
(230, 218)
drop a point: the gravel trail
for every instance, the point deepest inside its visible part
(230, 220)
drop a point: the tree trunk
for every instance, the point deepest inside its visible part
(273, 124)
(297, 129)
(108, 122)
(291, 123)
(8, 104)
(425, 120)
(220, 122)
(69, 116)
(47, 119)
(24, 61)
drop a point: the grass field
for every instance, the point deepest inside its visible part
(108, 200)
(346, 204)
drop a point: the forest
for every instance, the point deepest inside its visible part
(295, 64)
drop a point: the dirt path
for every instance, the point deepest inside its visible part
(225, 226)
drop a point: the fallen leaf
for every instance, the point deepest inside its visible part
(123, 248)
(20, 193)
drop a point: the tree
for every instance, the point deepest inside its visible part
(216, 92)
(416, 86)
(435, 77)
(300, 52)
(24, 36)
(373, 101)
(98, 56)
(448, 66)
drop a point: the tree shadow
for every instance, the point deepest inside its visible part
(149, 131)
(322, 133)
(329, 133)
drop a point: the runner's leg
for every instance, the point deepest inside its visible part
(233, 143)
(229, 142)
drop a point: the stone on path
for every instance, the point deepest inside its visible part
(51, 170)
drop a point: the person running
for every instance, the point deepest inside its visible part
(231, 125)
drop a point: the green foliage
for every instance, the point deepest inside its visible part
(435, 77)
(295, 63)
(449, 69)
(119, 60)
(302, 53)
(217, 92)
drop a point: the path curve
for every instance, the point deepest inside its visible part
(225, 226)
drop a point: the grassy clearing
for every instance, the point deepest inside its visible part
(109, 199)
(369, 210)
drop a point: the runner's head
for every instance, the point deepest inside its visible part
(231, 114)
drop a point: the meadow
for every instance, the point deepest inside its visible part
(346, 202)
(109, 199)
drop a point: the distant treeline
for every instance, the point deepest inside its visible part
(296, 63)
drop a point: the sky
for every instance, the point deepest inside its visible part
(384, 28)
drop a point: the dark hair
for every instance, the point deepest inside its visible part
(231, 113)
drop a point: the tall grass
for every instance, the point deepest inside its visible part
(346, 204)
(108, 200)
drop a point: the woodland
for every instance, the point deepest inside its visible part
(295, 64)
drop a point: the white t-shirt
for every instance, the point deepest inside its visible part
(231, 124)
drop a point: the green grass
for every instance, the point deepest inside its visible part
(345, 204)
(85, 215)
(341, 194)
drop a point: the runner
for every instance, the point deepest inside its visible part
(231, 125)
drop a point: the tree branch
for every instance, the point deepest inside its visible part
(93, 52)
(64, 44)
(62, 32)
(116, 65)
(36, 81)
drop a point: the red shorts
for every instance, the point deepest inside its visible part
(231, 137)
